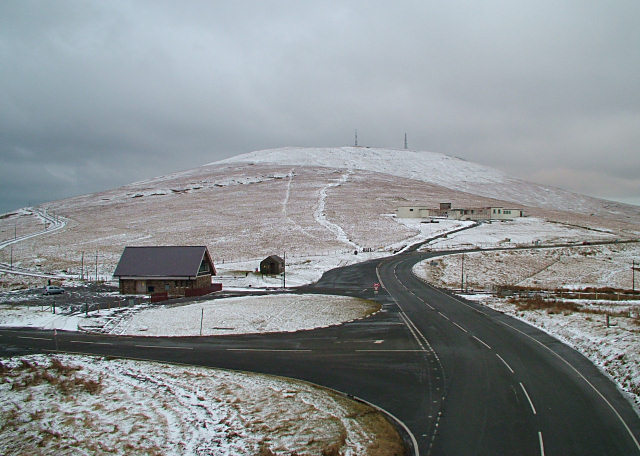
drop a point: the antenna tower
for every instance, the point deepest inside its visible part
(406, 146)
(356, 137)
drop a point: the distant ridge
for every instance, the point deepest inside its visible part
(441, 169)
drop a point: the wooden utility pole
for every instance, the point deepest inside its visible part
(462, 274)
(82, 266)
(96, 265)
(284, 272)
(633, 276)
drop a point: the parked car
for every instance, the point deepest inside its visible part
(52, 289)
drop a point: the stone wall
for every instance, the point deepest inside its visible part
(172, 287)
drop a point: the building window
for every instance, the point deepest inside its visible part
(204, 268)
(411, 210)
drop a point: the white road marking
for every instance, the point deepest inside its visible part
(89, 342)
(577, 372)
(528, 398)
(412, 292)
(443, 316)
(505, 363)
(268, 349)
(482, 342)
(459, 326)
(613, 409)
(410, 326)
(414, 442)
(164, 346)
(34, 338)
(390, 350)
(541, 443)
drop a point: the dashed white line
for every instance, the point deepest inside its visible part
(528, 398)
(579, 374)
(505, 363)
(482, 342)
(460, 326)
(390, 350)
(89, 342)
(34, 338)
(571, 366)
(268, 349)
(412, 292)
(164, 346)
(443, 316)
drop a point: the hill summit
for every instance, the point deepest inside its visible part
(305, 201)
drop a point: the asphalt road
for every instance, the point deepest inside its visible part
(462, 378)
(509, 388)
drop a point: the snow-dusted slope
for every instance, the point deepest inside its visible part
(442, 170)
(305, 201)
(425, 166)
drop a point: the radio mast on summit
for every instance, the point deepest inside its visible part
(356, 144)
(406, 146)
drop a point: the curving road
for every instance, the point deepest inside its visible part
(509, 388)
(57, 223)
(464, 379)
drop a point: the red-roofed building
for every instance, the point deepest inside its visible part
(174, 270)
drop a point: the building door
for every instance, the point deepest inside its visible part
(141, 286)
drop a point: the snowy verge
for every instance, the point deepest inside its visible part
(250, 314)
(241, 315)
(519, 232)
(57, 405)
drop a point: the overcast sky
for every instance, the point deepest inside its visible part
(96, 94)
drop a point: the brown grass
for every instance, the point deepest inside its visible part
(333, 448)
(551, 306)
(63, 377)
(264, 450)
(387, 441)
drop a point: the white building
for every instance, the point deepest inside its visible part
(485, 213)
(503, 213)
(478, 213)
(414, 212)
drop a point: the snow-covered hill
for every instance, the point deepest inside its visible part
(317, 203)
(443, 170)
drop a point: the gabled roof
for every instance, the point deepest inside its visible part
(274, 258)
(163, 261)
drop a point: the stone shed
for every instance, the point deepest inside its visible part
(272, 265)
